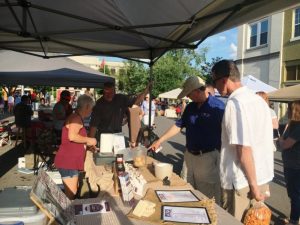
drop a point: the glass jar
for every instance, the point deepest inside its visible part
(139, 157)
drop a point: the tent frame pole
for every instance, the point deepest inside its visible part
(150, 92)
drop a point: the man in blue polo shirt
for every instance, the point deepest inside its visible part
(202, 119)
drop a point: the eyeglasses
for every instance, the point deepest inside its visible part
(215, 80)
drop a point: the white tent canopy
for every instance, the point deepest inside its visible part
(17, 68)
(171, 94)
(286, 94)
(135, 29)
(256, 85)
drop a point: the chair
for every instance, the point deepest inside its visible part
(44, 148)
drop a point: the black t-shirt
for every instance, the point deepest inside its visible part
(108, 116)
(291, 156)
(23, 115)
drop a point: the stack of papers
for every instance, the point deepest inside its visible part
(144, 208)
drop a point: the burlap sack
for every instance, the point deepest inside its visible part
(97, 175)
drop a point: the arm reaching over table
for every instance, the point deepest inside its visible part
(168, 134)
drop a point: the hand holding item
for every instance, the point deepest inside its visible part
(155, 146)
(91, 141)
(256, 194)
(93, 148)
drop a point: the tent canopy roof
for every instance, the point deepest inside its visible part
(17, 68)
(286, 94)
(135, 29)
(171, 94)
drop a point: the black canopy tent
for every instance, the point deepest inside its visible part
(17, 68)
(131, 29)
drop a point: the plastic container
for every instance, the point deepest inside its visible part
(36, 219)
(139, 157)
(16, 206)
(163, 170)
(16, 202)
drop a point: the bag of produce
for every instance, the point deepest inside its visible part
(258, 214)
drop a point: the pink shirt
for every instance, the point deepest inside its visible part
(70, 155)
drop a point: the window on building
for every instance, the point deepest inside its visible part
(293, 73)
(297, 23)
(259, 33)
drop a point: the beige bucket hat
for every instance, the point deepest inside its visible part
(191, 84)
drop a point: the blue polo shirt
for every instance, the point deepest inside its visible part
(203, 125)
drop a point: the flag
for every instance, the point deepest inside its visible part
(102, 65)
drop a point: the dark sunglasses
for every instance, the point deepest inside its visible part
(202, 88)
(215, 80)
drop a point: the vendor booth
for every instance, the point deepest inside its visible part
(133, 30)
(286, 94)
(20, 69)
(172, 94)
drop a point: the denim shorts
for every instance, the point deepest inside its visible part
(66, 173)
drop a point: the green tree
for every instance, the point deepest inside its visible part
(135, 77)
(206, 68)
(169, 71)
(174, 67)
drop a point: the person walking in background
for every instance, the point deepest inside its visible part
(70, 157)
(61, 111)
(247, 164)
(17, 98)
(11, 103)
(145, 109)
(202, 119)
(274, 117)
(1, 105)
(47, 98)
(290, 145)
(23, 113)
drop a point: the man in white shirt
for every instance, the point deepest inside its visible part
(246, 164)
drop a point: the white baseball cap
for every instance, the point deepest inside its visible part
(191, 84)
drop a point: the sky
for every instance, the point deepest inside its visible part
(220, 45)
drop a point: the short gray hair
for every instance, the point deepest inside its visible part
(85, 100)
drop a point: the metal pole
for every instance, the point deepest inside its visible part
(150, 94)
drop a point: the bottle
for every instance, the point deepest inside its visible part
(120, 164)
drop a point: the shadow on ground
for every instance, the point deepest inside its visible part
(175, 159)
(10, 158)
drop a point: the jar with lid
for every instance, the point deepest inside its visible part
(120, 164)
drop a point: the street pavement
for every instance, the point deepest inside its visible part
(172, 152)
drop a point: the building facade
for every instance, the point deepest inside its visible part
(259, 49)
(291, 48)
(96, 63)
(269, 49)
